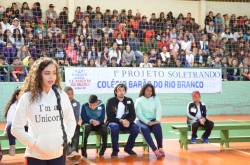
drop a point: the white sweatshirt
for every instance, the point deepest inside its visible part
(44, 138)
(11, 113)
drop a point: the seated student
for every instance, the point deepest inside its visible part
(93, 114)
(145, 63)
(17, 70)
(113, 62)
(197, 117)
(121, 116)
(148, 112)
(9, 115)
(246, 74)
(3, 69)
(73, 147)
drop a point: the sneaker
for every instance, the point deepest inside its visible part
(114, 154)
(130, 152)
(84, 153)
(193, 140)
(74, 156)
(162, 152)
(102, 151)
(158, 154)
(12, 150)
(205, 140)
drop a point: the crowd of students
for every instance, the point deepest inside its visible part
(40, 111)
(97, 38)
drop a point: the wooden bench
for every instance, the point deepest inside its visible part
(224, 138)
(95, 145)
(6, 150)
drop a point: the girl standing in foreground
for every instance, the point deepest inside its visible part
(9, 115)
(38, 107)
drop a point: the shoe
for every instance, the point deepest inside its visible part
(1, 154)
(158, 154)
(205, 140)
(114, 154)
(12, 150)
(130, 152)
(74, 156)
(162, 152)
(193, 140)
(102, 151)
(84, 153)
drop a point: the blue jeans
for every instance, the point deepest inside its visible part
(133, 129)
(12, 139)
(34, 161)
(156, 130)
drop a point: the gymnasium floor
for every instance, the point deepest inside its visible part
(205, 154)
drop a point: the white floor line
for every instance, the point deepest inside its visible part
(242, 152)
(234, 149)
(240, 121)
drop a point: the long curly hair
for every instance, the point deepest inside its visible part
(143, 89)
(33, 82)
(12, 100)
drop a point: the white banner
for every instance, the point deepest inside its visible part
(86, 80)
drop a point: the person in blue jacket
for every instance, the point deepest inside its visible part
(93, 114)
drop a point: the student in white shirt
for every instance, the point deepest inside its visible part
(145, 63)
(197, 117)
(189, 59)
(9, 115)
(165, 55)
(115, 52)
(121, 116)
(15, 25)
(49, 129)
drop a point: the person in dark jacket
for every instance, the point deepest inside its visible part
(74, 145)
(197, 117)
(120, 116)
(93, 115)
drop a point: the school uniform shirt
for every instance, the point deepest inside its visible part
(190, 59)
(117, 110)
(194, 113)
(11, 113)
(120, 110)
(148, 109)
(88, 114)
(45, 137)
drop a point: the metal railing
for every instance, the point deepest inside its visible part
(6, 76)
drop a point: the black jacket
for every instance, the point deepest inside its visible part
(192, 111)
(112, 106)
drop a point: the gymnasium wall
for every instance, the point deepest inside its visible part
(235, 99)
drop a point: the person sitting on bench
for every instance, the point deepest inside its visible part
(93, 115)
(197, 117)
(121, 116)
